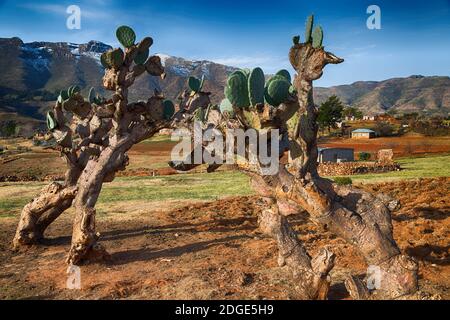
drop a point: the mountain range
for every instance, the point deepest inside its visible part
(34, 73)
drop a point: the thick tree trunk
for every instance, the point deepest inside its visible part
(97, 171)
(36, 216)
(361, 219)
(310, 274)
(53, 200)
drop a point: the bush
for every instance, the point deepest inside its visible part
(384, 129)
(342, 181)
(364, 156)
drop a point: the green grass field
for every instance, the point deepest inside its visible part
(417, 167)
(201, 186)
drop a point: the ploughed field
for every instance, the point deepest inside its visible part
(195, 236)
(403, 146)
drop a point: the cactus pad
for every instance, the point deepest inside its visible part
(91, 96)
(126, 36)
(256, 86)
(51, 122)
(64, 95)
(284, 73)
(168, 109)
(309, 28)
(317, 37)
(226, 107)
(236, 90)
(145, 43)
(277, 90)
(104, 61)
(141, 56)
(194, 84)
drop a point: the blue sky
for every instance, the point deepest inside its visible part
(414, 36)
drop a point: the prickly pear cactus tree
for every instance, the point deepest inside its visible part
(361, 218)
(195, 97)
(93, 134)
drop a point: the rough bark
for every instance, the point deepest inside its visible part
(310, 274)
(41, 211)
(94, 141)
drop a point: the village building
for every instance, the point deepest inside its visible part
(363, 134)
(335, 155)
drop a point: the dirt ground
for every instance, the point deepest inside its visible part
(213, 250)
(407, 145)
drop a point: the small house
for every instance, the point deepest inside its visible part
(363, 134)
(335, 155)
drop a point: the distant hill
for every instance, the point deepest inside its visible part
(426, 95)
(34, 73)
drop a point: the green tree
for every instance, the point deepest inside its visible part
(352, 112)
(330, 112)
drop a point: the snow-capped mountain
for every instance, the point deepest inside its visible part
(44, 68)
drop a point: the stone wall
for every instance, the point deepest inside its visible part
(350, 168)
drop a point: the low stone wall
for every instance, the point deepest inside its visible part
(350, 168)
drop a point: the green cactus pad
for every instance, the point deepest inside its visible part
(236, 90)
(317, 37)
(51, 122)
(296, 39)
(238, 72)
(226, 107)
(309, 28)
(76, 89)
(202, 82)
(145, 43)
(194, 84)
(104, 61)
(277, 90)
(63, 94)
(284, 73)
(73, 90)
(126, 36)
(168, 109)
(256, 86)
(141, 56)
(92, 95)
(246, 72)
(117, 57)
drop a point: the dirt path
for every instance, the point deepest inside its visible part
(213, 250)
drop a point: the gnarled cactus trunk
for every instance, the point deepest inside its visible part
(362, 219)
(40, 212)
(95, 140)
(358, 217)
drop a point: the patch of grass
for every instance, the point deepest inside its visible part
(200, 186)
(158, 138)
(14, 195)
(9, 207)
(417, 167)
(342, 181)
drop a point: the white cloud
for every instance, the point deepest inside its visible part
(60, 9)
(268, 63)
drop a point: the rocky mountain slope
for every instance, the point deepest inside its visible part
(427, 95)
(34, 73)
